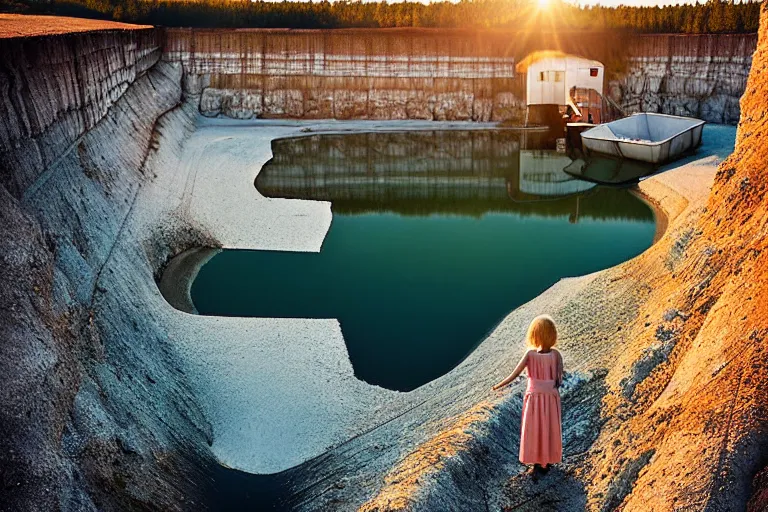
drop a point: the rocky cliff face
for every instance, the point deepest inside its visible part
(707, 399)
(95, 414)
(348, 74)
(54, 90)
(701, 76)
(445, 75)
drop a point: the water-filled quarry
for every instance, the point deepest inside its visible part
(428, 226)
(428, 250)
(143, 398)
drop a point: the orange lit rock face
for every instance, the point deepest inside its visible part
(703, 410)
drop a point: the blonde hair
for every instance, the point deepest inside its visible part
(542, 333)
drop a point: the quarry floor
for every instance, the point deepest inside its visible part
(281, 391)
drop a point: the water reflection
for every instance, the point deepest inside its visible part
(540, 175)
(419, 173)
(435, 237)
(608, 171)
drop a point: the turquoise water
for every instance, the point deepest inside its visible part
(420, 265)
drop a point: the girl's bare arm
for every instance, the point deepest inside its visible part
(512, 376)
(559, 376)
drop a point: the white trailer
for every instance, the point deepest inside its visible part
(551, 76)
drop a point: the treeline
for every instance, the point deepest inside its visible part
(715, 16)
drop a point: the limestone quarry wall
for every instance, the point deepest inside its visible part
(348, 74)
(446, 74)
(701, 76)
(95, 413)
(53, 90)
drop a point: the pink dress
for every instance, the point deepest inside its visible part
(540, 436)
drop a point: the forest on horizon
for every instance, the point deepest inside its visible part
(714, 16)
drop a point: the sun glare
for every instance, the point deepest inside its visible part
(543, 4)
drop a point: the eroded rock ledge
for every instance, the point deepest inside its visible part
(95, 414)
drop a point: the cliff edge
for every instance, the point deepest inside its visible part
(95, 414)
(700, 417)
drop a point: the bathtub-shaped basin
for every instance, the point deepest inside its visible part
(652, 138)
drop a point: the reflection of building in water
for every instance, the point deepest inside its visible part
(463, 172)
(541, 174)
(541, 177)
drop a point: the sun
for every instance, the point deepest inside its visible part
(543, 4)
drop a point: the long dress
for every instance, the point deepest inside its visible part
(541, 437)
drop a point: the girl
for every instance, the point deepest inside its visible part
(540, 437)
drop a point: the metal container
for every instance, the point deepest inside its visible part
(652, 138)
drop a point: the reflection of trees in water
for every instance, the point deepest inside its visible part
(434, 151)
(416, 173)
